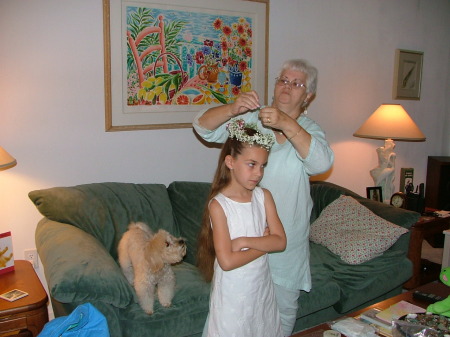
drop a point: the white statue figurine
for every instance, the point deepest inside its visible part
(383, 175)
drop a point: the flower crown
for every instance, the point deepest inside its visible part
(236, 128)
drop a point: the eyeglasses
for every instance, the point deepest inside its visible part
(293, 84)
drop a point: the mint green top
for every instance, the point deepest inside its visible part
(287, 177)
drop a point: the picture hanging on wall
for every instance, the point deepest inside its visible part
(166, 61)
(407, 74)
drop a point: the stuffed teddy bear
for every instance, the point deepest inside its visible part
(442, 307)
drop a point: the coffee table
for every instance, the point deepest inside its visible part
(436, 288)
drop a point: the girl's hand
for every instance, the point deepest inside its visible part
(244, 102)
(237, 244)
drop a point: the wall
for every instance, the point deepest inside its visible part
(353, 45)
(52, 100)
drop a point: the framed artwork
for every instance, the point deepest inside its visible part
(407, 74)
(375, 193)
(6, 253)
(407, 180)
(167, 60)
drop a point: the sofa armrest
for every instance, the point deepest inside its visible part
(78, 268)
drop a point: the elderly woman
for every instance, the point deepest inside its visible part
(300, 151)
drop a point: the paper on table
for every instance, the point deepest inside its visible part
(398, 310)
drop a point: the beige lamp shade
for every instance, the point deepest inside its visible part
(390, 121)
(6, 160)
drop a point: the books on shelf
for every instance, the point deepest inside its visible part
(398, 310)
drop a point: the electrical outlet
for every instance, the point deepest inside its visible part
(32, 256)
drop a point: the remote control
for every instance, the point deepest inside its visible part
(432, 298)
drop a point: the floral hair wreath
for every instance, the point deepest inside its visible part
(236, 128)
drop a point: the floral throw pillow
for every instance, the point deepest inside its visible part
(353, 232)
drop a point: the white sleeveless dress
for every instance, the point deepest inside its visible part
(243, 300)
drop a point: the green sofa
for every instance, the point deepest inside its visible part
(82, 225)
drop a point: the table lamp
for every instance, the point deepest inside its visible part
(389, 122)
(6, 160)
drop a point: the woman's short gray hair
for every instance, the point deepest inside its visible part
(304, 67)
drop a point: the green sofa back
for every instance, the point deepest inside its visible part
(104, 210)
(188, 202)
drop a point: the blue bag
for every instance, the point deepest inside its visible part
(84, 321)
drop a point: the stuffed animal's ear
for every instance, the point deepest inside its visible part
(154, 251)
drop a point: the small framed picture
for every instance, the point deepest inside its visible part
(13, 295)
(406, 180)
(407, 74)
(375, 193)
(6, 253)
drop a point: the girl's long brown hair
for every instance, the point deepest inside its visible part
(205, 251)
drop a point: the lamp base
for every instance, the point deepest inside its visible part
(383, 175)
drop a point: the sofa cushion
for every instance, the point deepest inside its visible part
(361, 283)
(188, 203)
(185, 317)
(353, 232)
(325, 292)
(78, 268)
(105, 209)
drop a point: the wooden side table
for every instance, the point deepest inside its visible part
(28, 314)
(426, 226)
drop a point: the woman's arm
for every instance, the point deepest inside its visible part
(320, 157)
(226, 257)
(299, 138)
(276, 239)
(306, 137)
(215, 117)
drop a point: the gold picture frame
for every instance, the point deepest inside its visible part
(407, 74)
(166, 82)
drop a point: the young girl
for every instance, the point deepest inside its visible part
(240, 226)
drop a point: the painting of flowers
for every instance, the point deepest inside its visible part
(185, 58)
(180, 58)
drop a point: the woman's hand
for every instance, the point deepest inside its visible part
(244, 102)
(218, 115)
(278, 120)
(274, 118)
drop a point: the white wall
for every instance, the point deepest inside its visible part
(353, 42)
(52, 99)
